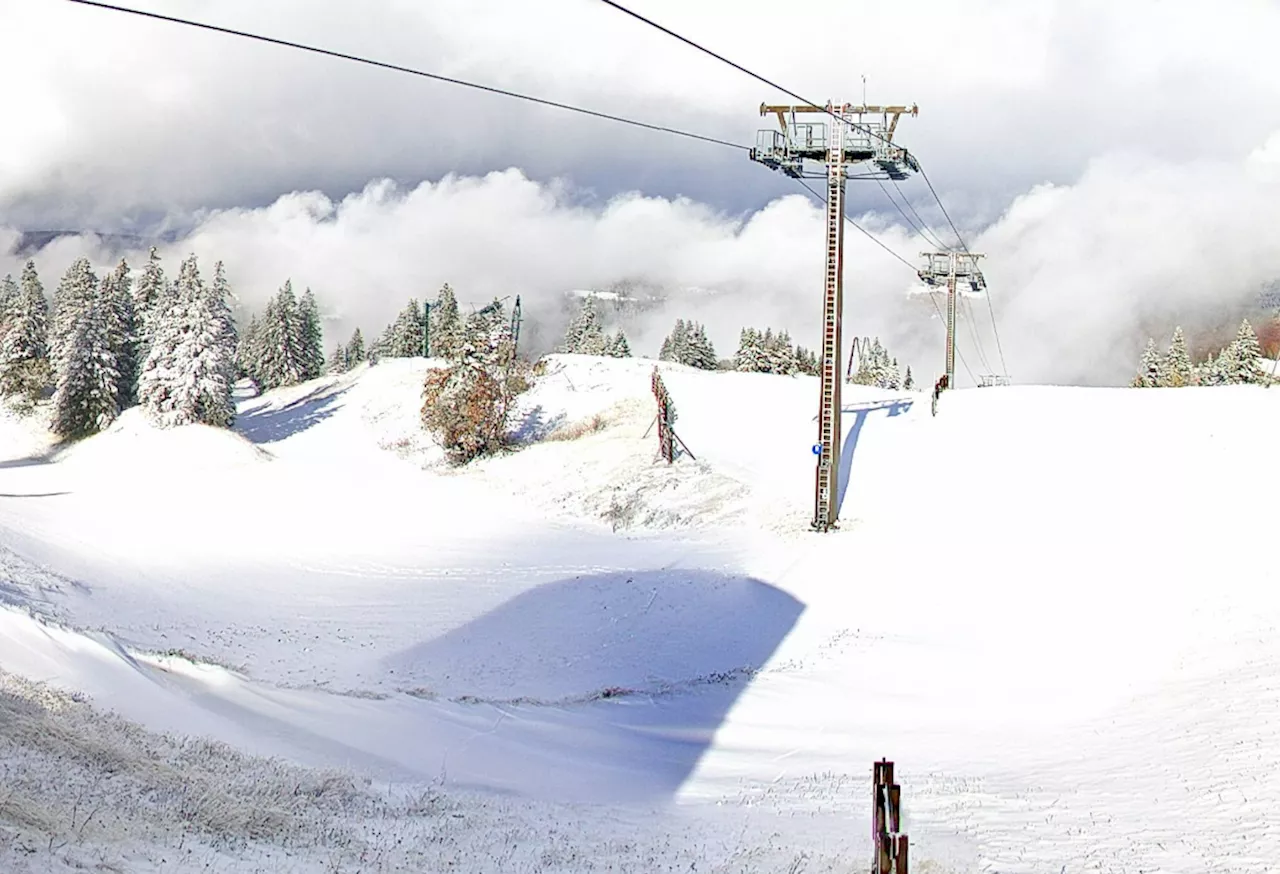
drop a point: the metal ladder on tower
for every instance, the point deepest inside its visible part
(829, 411)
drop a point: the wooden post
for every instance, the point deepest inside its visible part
(890, 845)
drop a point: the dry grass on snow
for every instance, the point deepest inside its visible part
(81, 789)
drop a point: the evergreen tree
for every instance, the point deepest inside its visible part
(618, 347)
(676, 345)
(489, 329)
(688, 344)
(117, 291)
(281, 354)
(189, 372)
(383, 345)
(446, 325)
(78, 287)
(85, 400)
(1246, 368)
(218, 361)
(909, 382)
(246, 352)
(876, 367)
(8, 300)
(147, 300)
(220, 297)
(312, 336)
(405, 335)
(25, 369)
(806, 361)
(585, 336)
(1150, 368)
(338, 359)
(1226, 365)
(698, 351)
(1206, 372)
(780, 355)
(750, 357)
(356, 350)
(1176, 367)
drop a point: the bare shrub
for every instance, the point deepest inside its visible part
(467, 405)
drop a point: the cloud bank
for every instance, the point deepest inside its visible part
(1080, 274)
(115, 121)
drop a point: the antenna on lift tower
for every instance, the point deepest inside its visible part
(851, 135)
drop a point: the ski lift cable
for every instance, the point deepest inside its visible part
(972, 324)
(918, 228)
(934, 239)
(991, 306)
(867, 233)
(909, 265)
(693, 44)
(863, 128)
(410, 70)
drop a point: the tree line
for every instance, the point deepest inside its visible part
(109, 342)
(436, 328)
(1237, 363)
(758, 351)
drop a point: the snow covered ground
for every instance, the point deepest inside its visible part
(1050, 606)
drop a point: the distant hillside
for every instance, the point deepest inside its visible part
(31, 242)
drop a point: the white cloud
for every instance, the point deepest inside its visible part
(1078, 272)
(1109, 158)
(141, 117)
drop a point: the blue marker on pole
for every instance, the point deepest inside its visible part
(817, 449)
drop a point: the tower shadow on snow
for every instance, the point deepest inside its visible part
(259, 424)
(895, 407)
(601, 687)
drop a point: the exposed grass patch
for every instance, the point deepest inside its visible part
(579, 429)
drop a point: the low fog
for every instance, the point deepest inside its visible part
(1111, 160)
(1079, 274)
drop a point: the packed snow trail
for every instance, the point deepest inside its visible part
(1029, 605)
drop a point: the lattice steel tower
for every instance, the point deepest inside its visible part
(950, 268)
(850, 135)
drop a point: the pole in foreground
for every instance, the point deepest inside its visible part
(886, 799)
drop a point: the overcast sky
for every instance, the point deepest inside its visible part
(1113, 159)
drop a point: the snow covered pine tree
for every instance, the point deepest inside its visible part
(688, 344)
(190, 371)
(585, 336)
(86, 398)
(1150, 371)
(25, 369)
(1176, 368)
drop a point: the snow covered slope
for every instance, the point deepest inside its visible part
(1049, 605)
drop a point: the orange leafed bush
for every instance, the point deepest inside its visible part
(467, 407)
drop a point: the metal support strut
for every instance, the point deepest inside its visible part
(852, 136)
(825, 509)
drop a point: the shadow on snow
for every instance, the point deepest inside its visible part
(263, 424)
(536, 425)
(895, 407)
(601, 687)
